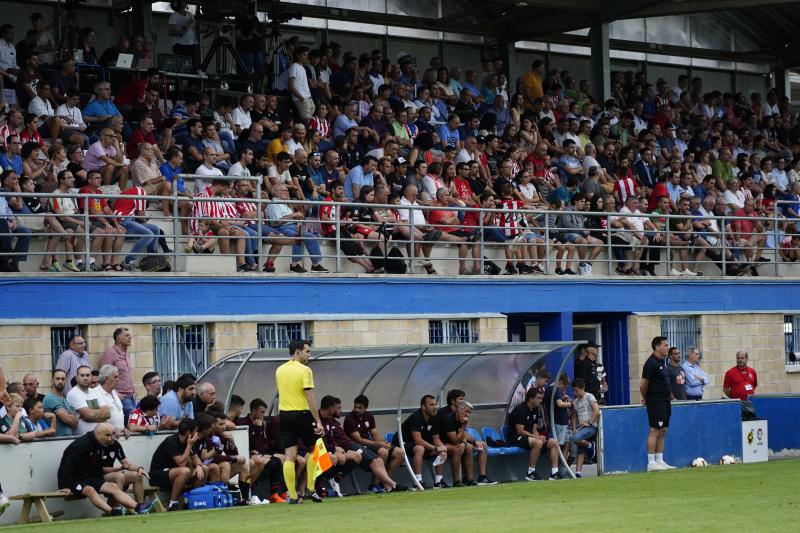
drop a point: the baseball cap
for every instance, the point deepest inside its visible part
(400, 161)
(592, 344)
(481, 139)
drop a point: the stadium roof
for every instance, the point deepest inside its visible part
(770, 24)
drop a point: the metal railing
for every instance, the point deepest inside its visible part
(529, 237)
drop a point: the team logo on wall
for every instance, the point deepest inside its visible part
(750, 437)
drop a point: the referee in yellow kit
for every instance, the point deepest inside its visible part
(299, 419)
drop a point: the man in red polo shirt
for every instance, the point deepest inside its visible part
(740, 381)
(446, 220)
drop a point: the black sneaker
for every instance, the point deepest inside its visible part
(319, 268)
(559, 271)
(459, 484)
(537, 270)
(316, 498)
(441, 485)
(174, 507)
(486, 480)
(291, 501)
(510, 270)
(569, 272)
(556, 476)
(471, 483)
(118, 511)
(398, 487)
(298, 269)
(532, 477)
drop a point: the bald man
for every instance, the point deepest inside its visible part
(81, 472)
(30, 385)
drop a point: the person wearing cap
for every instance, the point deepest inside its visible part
(586, 369)
(395, 179)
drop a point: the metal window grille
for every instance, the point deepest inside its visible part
(59, 340)
(180, 349)
(450, 332)
(791, 332)
(280, 334)
(681, 332)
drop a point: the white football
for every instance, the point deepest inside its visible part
(699, 462)
(727, 460)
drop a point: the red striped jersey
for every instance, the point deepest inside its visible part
(128, 207)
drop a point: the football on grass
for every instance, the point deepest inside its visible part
(727, 460)
(699, 462)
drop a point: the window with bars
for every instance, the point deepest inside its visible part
(683, 332)
(451, 332)
(791, 334)
(280, 334)
(59, 340)
(180, 349)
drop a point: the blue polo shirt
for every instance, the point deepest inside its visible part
(168, 172)
(14, 164)
(171, 406)
(358, 177)
(97, 108)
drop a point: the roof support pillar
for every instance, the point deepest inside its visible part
(507, 51)
(783, 84)
(600, 62)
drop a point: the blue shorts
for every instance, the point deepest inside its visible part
(569, 238)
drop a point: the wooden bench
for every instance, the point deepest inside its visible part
(38, 499)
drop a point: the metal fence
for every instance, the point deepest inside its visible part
(537, 240)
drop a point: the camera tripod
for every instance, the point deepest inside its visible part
(276, 47)
(220, 47)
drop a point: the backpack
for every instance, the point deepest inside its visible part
(376, 257)
(154, 263)
(490, 268)
(395, 262)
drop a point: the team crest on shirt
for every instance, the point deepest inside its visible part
(366, 423)
(660, 423)
(429, 427)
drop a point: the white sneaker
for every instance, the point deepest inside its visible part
(665, 466)
(255, 500)
(674, 272)
(589, 269)
(654, 467)
(4, 503)
(336, 491)
(688, 272)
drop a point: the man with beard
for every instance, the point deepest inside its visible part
(177, 404)
(55, 402)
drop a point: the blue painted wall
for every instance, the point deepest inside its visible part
(781, 413)
(708, 430)
(78, 297)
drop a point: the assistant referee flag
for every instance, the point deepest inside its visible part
(320, 458)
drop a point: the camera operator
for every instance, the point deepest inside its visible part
(183, 29)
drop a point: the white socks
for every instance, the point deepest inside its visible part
(437, 479)
(659, 457)
(419, 477)
(651, 458)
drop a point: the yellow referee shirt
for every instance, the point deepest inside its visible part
(292, 379)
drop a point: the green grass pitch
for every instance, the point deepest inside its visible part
(756, 497)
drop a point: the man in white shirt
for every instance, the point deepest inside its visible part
(87, 403)
(71, 117)
(48, 123)
(414, 220)
(8, 58)
(296, 142)
(240, 168)
(734, 196)
(109, 376)
(207, 168)
(240, 116)
(183, 32)
(298, 84)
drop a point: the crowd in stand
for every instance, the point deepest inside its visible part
(364, 128)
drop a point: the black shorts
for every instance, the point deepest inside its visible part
(77, 485)
(160, 478)
(658, 413)
(409, 448)
(377, 449)
(367, 456)
(297, 426)
(521, 441)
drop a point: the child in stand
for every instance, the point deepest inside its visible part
(205, 243)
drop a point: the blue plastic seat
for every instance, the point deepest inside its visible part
(472, 432)
(491, 433)
(389, 437)
(510, 450)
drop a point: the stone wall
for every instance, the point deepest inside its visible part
(27, 348)
(721, 336)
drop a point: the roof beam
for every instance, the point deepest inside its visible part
(684, 7)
